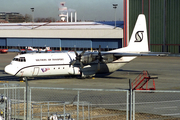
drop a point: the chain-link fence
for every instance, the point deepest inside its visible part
(12, 101)
(87, 104)
(159, 105)
(79, 104)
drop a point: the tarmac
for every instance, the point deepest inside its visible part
(167, 70)
(159, 103)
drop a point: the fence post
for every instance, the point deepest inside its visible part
(30, 103)
(130, 100)
(64, 110)
(88, 112)
(9, 109)
(24, 103)
(133, 105)
(41, 112)
(83, 110)
(27, 96)
(127, 105)
(48, 108)
(78, 105)
(32, 113)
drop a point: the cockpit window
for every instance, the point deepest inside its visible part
(15, 59)
(21, 59)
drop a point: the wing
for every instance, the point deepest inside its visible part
(106, 57)
(141, 54)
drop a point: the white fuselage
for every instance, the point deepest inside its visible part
(57, 64)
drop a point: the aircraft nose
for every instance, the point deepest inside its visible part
(10, 69)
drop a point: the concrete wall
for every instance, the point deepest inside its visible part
(62, 33)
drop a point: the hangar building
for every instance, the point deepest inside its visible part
(62, 36)
(163, 22)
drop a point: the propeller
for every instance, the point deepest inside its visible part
(46, 51)
(99, 57)
(78, 58)
(26, 49)
(19, 49)
(22, 52)
(39, 50)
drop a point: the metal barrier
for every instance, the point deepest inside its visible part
(156, 104)
(80, 104)
(87, 104)
(12, 105)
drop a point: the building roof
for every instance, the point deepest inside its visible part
(64, 25)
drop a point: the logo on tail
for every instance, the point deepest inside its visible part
(139, 36)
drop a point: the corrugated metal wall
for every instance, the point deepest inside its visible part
(163, 22)
(156, 25)
(134, 10)
(106, 43)
(80, 43)
(19, 42)
(50, 42)
(61, 43)
(2, 42)
(173, 25)
(39, 42)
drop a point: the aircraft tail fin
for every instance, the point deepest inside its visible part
(48, 48)
(30, 48)
(139, 40)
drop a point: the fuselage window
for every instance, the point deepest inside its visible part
(23, 59)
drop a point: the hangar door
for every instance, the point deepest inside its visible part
(107, 43)
(79, 43)
(34, 42)
(2, 42)
(49, 42)
(19, 42)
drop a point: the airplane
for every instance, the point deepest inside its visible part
(85, 64)
(29, 50)
(35, 49)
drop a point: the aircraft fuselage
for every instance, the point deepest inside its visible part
(55, 64)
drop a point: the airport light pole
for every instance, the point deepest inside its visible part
(32, 9)
(115, 6)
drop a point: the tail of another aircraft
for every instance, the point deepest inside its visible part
(30, 48)
(138, 41)
(48, 48)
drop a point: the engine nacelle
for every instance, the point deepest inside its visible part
(85, 59)
(74, 71)
(108, 58)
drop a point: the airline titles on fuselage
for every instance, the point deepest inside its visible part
(53, 59)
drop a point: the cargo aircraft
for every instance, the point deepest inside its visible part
(85, 64)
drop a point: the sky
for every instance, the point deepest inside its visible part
(97, 10)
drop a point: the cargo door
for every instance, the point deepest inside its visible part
(36, 71)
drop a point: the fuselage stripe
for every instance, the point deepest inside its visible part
(61, 65)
